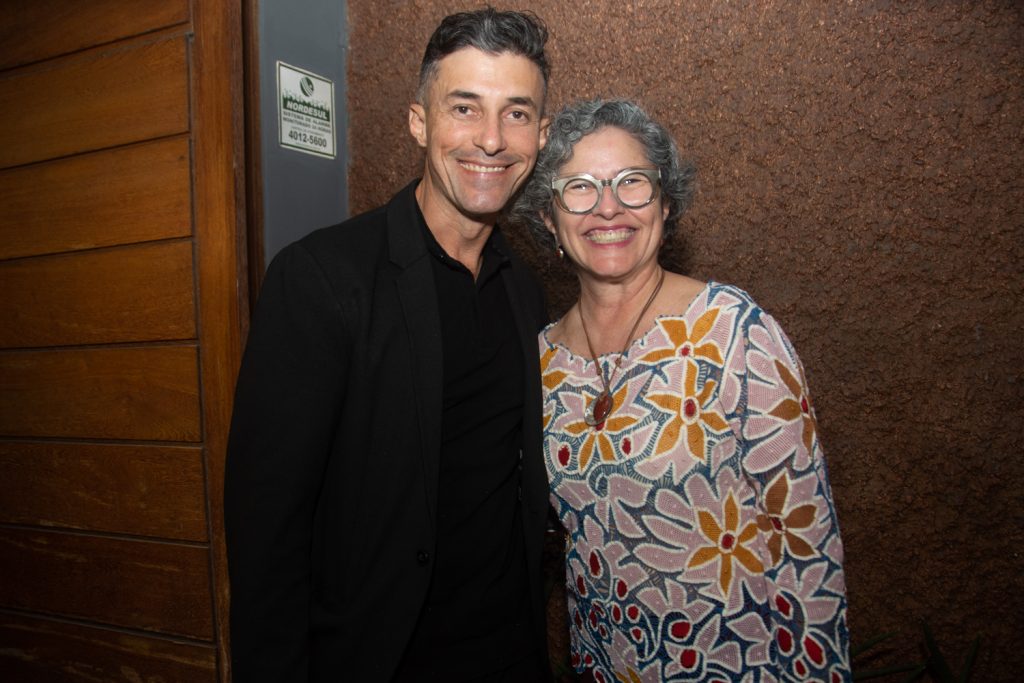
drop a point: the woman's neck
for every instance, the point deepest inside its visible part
(612, 310)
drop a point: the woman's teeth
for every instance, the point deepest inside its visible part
(608, 236)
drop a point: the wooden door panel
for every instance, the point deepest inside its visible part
(134, 393)
(127, 294)
(105, 98)
(146, 585)
(31, 30)
(143, 490)
(122, 315)
(119, 196)
(45, 651)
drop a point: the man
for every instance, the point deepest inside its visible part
(385, 494)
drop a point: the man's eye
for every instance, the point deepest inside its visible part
(519, 115)
(462, 109)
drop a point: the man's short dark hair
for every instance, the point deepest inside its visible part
(488, 30)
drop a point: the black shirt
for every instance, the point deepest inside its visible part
(476, 614)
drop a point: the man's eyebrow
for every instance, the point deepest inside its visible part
(523, 101)
(520, 100)
(463, 95)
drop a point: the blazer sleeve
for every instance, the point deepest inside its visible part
(287, 402)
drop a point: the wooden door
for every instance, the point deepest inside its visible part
(122, 287)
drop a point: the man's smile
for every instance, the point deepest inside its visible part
(477, 168)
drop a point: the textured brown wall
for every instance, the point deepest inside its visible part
(860, 176)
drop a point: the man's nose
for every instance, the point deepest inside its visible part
(491, 136)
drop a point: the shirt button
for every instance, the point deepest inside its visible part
(422, 557)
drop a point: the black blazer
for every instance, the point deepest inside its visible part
(332, 466)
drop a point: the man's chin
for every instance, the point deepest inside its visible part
(479, 204)
(485, 217)
(484, 209)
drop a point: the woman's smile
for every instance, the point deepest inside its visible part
(611, 235)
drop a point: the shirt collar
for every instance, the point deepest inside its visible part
(493, 256)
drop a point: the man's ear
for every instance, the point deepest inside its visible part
(544, 123)
(418, 123)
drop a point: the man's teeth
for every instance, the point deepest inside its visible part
(483, 169)
(606, 236)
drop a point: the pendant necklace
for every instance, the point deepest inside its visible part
(601, 407)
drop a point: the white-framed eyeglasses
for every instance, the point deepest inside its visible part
(634, 188)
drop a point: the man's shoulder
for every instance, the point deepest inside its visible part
(352, 250)
(345, 237)
(358, 239)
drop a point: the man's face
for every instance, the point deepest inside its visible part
(480, 124)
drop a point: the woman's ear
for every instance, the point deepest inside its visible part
(546, 217)
(553, 229)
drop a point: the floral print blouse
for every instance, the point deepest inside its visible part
(702, 542)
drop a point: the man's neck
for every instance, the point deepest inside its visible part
(462, 238)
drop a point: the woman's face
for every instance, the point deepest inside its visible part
(611, 243)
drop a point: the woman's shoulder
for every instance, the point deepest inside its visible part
(546, 333)
(693, 298)
(760, 330)
(550, 338)
(721, 304)
(724, 294)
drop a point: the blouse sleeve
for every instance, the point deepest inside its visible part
(782, 459)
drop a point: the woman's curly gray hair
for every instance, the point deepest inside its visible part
(576, 121)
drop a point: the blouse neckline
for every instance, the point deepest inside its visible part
(629, 349)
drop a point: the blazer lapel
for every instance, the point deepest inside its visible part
(418, 297)
(526, 309)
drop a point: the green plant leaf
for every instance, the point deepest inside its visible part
(936, 663)
(972, 654)
(888, 671)
(861, 648)
(918, 672)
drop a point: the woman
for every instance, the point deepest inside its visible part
(679, 437)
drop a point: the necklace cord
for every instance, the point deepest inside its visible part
(606, 380)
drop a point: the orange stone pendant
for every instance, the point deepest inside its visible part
(599, 409)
